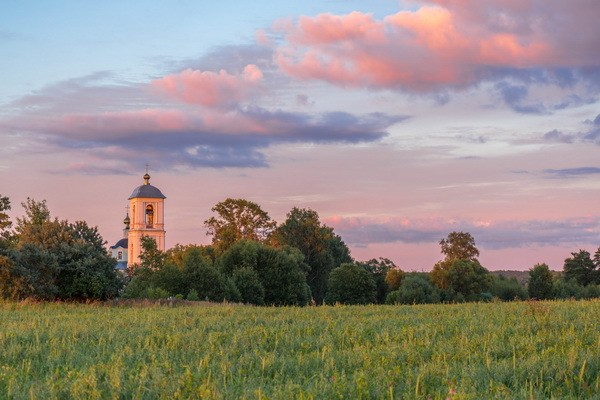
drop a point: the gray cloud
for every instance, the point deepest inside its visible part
(570, 172)
(515, 96)
(559, 137)
(593, 133)
(502, 235)
(589, 135)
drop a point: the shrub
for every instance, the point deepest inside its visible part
(193, 295)
(414, 289)
(351, 284)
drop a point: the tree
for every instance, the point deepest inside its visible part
(281, 271)
(202, 276)
(460, 275)
(86, 272)
(238, 219)
(379, 269)
(459, 246)
(393, 278)
(81, 231)
(351, 283)
(5, 222)
(540, 282)
(54, 259)
(251, 290)
(323, 250)
(150, 257)
(37, 228)
(414, 289)
(461, 279)
(507, 289)
(581, 268)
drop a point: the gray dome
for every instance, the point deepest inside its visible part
(147, 191)
(121, 243)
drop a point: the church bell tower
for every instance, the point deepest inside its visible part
(147, 218)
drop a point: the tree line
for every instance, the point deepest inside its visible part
(254, 260)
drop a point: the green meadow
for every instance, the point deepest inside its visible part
(517, 350)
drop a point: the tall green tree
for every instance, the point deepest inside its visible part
(238, 219)
(323, 250)
(581, 268)
(540, 284)
(460, 276)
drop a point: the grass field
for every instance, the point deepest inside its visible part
(518, 350)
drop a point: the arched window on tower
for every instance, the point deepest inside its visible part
(149, 216)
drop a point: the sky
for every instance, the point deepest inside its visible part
(397, 121)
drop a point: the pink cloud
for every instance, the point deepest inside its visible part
(452, 43)
(118, 124)
(209, 88)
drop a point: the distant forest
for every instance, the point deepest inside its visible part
(254, 260)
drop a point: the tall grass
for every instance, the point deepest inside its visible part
(514, 350)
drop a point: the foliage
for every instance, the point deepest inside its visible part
(379, 269)
(467, 351)
(393, 278)
(414, 289)
(202, 276)
(323, 250)
(351, 283)
(281, 272)
(507, 289)
(460, 276)
(566, 289)
(193, 295)
(581, 268)
(54, 259)
(539, 285)
(238, 219)
(81, 231)
(461, 279)
(150, 256)
(176, 254)
(5, 222)
(459, 246)
(136, 291)
(248, 282)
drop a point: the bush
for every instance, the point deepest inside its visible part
(566, 289)
(351, 284)
(280, 272)
(540, 282)
(414, 289)
(248, 284)
(193, 295)
(591, 292)
(507, 289)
